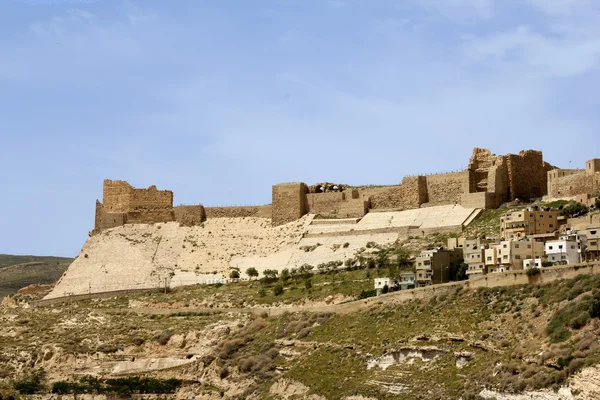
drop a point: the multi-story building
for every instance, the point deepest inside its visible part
(592, 234)
(519, 224)
(473, 253)
(509, 255)
(562, 251)
(407, 280)
(433, 266)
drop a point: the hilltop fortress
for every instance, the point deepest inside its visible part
(488, 181)
(141, 241)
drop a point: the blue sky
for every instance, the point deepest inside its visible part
(218, 100)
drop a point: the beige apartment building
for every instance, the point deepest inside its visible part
(474, 256)
(592, 234)
(519, 224)
(509, 255)
(433, 266)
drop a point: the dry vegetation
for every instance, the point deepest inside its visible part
(508, 339)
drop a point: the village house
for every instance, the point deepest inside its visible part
(592, 235)
(519, 224)
(474, 256)
(509, 255)
(562, 251)
(433, 266)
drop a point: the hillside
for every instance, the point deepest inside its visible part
(17, 272)
(220, 342)
(145, 256)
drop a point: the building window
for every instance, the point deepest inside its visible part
(517, 257)
(549, 247)
(505, 257)
(528, 246)
(549, 216)
(551, 226)
(516, 246)
(560, 246)
(489, 258)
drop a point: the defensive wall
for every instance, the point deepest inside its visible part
(488, 181)
(263, 211)
(124, 204)
(581, 184)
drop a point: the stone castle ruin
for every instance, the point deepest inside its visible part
(489, 181)
(582, 185)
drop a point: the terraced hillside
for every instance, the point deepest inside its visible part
(219, 342)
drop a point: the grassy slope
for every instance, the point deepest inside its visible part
(504, 329)
(19, 271)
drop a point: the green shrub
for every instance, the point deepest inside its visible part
(30, 384)
(533, 272)
(580, 320)
(278, 290)
(560, 335)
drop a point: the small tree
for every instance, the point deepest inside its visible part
(308, 284)
(597, 203)
(278, 290)
(270, 274)
(574, 209)
(235, 274)
(252, 272)
(285, 275)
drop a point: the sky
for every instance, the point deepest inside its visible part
(218, 100)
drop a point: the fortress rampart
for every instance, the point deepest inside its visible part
(488, 181)
(582, 184)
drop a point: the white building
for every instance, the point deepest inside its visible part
(380, 283)
(563, 251)
(532, 263)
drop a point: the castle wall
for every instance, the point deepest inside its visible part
(527, 175)
(339, 204)
(483, 200)
(592, 166)
(107, 220)
(189, 215)
(324, 203)
(120, 196)
(289, 202)
(410, 194)
(497, 180)
(239, 211)
(574, 185)
(447, 188)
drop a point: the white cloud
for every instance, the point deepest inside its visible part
(462, 11)
(561, 7)
(136, 15)
(545, 55)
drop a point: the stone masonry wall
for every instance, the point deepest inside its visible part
(447, 188)
(189, 215)
(120, 196)
(483, 200)
(410, 194)
(107, 220)
(289, 202)
(574, 185)
(239, 211)
(324, 203)
(527, 175)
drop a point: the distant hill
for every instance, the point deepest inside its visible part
(17, 272)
